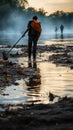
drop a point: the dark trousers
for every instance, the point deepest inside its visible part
(32, 44)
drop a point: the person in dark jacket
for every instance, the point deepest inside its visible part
(33, 37)
(61, 28)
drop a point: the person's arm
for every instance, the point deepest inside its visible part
(25, 32)
(28, 28)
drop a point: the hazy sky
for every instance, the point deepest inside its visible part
(52, 5)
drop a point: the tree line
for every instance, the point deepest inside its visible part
(7, 7)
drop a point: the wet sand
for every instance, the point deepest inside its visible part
(52, 116)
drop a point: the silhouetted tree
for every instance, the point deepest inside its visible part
(41, 11)
(14, 2)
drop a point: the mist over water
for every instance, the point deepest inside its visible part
(16, 25)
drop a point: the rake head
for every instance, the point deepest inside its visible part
(5, 55)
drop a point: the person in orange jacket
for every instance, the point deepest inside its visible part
(34, 31)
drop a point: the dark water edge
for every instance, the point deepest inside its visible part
(11, 38)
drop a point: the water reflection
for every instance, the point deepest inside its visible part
(56, 80)
(56, 36)
(33, 83)
(62, 37)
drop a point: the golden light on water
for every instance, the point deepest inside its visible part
(56, 80)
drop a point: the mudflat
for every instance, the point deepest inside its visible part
(36, 116)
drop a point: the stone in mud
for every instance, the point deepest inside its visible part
(16, 84)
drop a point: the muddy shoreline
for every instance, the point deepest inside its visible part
(54, 116)
(39, 116)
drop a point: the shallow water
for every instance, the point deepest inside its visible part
(11, 38)
(55, 79)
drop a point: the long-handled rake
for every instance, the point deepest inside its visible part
(5, 55)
